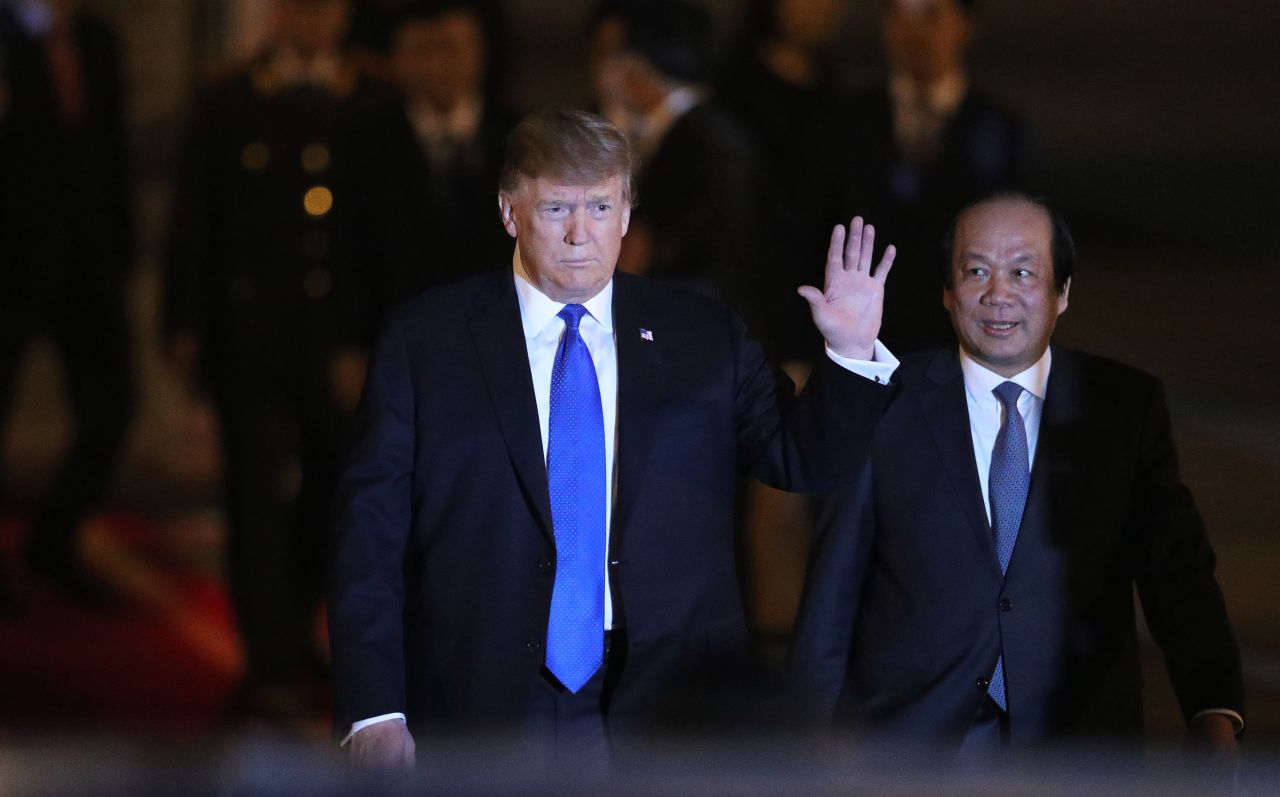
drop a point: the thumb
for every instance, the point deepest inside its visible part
(811, 295)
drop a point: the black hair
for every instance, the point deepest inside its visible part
(674, 36)
(1062, 247)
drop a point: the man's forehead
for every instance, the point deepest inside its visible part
(545, 188)
(1006, 216)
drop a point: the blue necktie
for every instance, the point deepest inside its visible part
(576, 481)
(1008, 482)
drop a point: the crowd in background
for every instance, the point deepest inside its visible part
(353, 163)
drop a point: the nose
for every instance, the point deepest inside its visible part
(999, 292)
(575, 227)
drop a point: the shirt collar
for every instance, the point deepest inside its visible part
(979, 380)
(942, 98)
(653, 126)
(459, 124)
(537, 310)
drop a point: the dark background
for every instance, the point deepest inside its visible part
(1159, 125)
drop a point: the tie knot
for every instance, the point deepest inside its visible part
(1008, 393)
(572, 314)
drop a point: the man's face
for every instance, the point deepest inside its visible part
(1003, 301)
(568, 236)
(812, 24)
(313, 26)
(926, 39)
(440, 61)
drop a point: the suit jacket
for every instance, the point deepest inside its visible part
(859, 169)
(445, 556)
(905, 608)
(416, 226)
(698, 198)
(66, 202)
(250, 269)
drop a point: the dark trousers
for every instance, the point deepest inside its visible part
(987, 736)
(574, 727)
(89, 328)
(282, 451)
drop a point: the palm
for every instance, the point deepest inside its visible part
(848, 310)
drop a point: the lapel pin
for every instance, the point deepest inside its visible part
(646, 334)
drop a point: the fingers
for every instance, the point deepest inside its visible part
(886, 262)
(853, 245)
(834, 255)
(868, 247)
(853, 251)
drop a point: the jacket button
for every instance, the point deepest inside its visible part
(1006, 605)
(983, 683)
(544, 565)
(533, 646)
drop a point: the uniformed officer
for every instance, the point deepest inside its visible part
(252, 301)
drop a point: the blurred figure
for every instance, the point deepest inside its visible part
(975, 589)
(778, 82)
(252, 303)
(923, 144)
(697, 182)
(425, 166)
(66, 246)
(374, 22)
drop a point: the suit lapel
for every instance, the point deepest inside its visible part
(639, 372)
(500, 344)
(946, 412)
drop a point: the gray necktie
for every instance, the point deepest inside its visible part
(1008, 483)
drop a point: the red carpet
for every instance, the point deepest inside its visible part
(164, 659)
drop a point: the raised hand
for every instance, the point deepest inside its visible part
(847, 311)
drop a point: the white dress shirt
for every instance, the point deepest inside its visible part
(542, 331)
(440, 134)
(986, 414)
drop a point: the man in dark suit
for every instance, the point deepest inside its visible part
(975, 587)
(697, 222)
(254, 300)
(66, 247)
(535, 528)
(424, 165)
(912, 150)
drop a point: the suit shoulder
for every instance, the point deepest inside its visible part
(673, 301)
(447, 305)
(1103, 371)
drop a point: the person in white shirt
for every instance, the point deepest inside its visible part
(535, 527)
(974, 589)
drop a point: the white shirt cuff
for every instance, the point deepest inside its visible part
(878, 369)
(356, 727)
(1237, 721)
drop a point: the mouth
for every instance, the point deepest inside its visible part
(578, 262)
(998, 328)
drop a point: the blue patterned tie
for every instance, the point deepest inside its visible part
(576, 481)
(1008, 482)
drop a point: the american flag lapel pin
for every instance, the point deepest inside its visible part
(646, 334)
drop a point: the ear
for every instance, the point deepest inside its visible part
(1062, 297)
(626, 218)
(948, 298)
(506, 209)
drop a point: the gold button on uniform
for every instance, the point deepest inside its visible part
(315, 157)
(318, 200)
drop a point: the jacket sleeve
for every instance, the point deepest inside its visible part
(1181, 599)
(373, 518)
(806, 443)
(818, 658)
